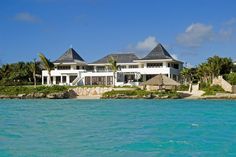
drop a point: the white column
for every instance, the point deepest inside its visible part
(106, 80)
(95, 68)
(42, 80)
(165, 64)
(67, 79)
(145, 65)
(61, 79)
(54, 80)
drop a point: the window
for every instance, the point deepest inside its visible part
(173, 65)
(133, 66)
(109, 80)
(87, 80)
(154, 65)
(64, 67)
(100, 68)
(176, 66)
(78, 67)
(58, 79)
(120, 77)
(99, 80)
(63, 79)
(90, 68)
(45, 79)
(123, 66)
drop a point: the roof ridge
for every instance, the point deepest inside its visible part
(158, 52)
(70, 56)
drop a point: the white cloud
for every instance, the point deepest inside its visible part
(143, 47)
(26, 17)
(195, 35)
(230, 22)
(147, 44)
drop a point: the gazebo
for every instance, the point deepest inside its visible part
(160, 82)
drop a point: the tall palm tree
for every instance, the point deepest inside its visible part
(114, 67)
(204, 72)
(215, 66)
(47, 65)
(5, 70)
(33, 66)
(186, 75)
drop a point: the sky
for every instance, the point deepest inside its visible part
(191, 30)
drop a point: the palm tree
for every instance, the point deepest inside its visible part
(33, 66)
(47, 65)
(226, 66)
(186, 75)
(5, 71)
(204, 72)
(215, 66)
(114, 67)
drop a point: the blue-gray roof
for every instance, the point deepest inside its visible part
(70, 56)
(120, 58)
(159, 52)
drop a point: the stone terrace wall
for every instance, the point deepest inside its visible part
(234, 88)
(89, 91)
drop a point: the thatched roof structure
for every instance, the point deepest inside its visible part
(161, 80)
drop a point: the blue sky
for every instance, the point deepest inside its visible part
(190, 30)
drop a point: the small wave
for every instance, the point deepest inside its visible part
(178, 142)
(195, 125)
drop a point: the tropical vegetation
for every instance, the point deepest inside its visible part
(21, 73)
(49, 66)
(15, 90)
(114, 67)
(140, 94)
(207, 71)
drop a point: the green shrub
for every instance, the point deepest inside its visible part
(212, 90)
(231, 78)
(204, 85)
(15, 90)
(139, 93)
(183, 87)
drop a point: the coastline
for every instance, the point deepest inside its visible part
(66, 95)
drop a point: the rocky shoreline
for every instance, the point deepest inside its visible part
(59, 95)
(97, 93)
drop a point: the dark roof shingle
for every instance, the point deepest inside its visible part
(159, 52)
(120, 58)
(70, 56)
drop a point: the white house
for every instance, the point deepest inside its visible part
(71, 69)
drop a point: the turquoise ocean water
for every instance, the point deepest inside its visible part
(117, 128)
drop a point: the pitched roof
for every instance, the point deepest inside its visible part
(159, 52)
(120, 58)
(161, 80)
(70, 56)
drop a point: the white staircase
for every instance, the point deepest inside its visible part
(77, 79)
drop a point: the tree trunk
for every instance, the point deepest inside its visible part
(113, 79)
(49, 75)
(34, 76)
